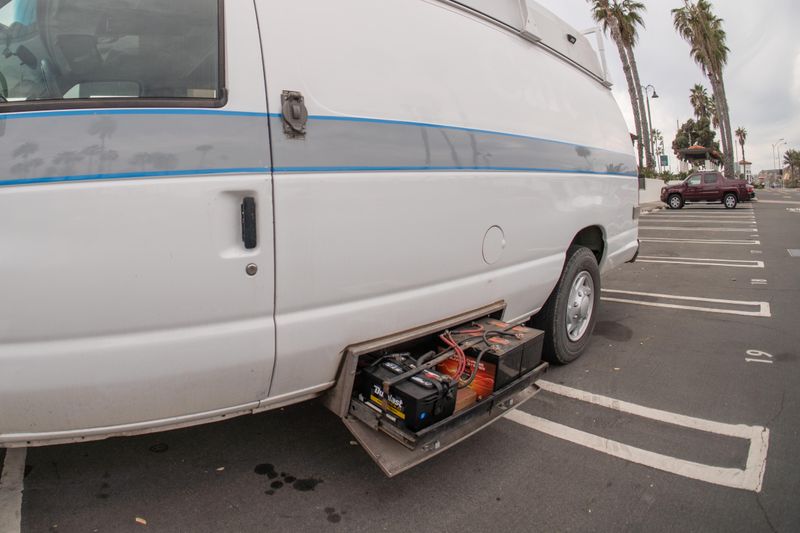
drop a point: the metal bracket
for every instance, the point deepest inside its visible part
(294, 114)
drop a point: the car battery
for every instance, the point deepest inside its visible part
(533, 342)
(415, 403)
(515, 352)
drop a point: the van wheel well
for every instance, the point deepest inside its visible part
(591, 238)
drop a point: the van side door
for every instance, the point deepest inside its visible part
(135, 217)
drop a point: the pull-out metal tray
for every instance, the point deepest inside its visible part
(383, 442)
(396, 451)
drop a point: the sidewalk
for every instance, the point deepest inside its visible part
(650, 207)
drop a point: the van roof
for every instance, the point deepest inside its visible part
(532, 21)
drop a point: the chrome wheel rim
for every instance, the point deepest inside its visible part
(580, 306)
(730, 201)
(675, 203)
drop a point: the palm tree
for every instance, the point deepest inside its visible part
(741, 136)
(629, 14)
(712, 111)
(703, 30)
(792, 160)
(698, 97)
(658, 141)
(658, 145)
(606, 13)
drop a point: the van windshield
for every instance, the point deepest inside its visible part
(79, 49)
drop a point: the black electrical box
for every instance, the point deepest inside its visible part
(523, 342)
(415, 403)
(532, 354)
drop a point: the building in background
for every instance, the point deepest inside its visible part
(746, 168)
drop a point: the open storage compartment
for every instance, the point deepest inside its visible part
(409, 396)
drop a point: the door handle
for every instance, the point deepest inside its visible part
(249, 223)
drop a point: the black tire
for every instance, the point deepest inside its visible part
(558, 347)
(730, 201)
(675, 201)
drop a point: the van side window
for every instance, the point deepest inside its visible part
(710, 179)
(694, 181)
(71, 50)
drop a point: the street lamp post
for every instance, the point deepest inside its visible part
(780, 159)
(649, 114)
(777, 161)
(774, 146)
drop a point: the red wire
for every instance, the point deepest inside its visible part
(447, 338)
(462, 358)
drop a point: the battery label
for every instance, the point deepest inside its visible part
(389, 407)
(394, 404)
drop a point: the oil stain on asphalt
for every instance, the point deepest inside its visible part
(301, 485)
(333, 516)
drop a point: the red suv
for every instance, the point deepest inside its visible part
(707, 187)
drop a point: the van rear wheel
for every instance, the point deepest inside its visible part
(569, 316)
(730, 201)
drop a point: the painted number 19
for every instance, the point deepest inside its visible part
(757, 356)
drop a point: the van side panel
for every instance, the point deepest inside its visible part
(429, 126)
(125, 301)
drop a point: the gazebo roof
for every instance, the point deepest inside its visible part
(700, 152)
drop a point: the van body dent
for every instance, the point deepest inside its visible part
(202, 207)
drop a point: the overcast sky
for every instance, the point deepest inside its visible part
(762, 77)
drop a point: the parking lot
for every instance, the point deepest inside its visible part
(683, 416)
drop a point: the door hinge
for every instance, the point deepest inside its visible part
(294, 113)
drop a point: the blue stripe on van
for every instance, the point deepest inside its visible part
(135, 175)
(312, 170)
(330, 118)
(315, 152)
(282, 170)
(98, 112)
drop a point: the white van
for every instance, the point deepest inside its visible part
(210, 208)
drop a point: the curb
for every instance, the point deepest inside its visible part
(645, 209)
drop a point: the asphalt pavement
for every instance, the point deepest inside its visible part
(683, 416)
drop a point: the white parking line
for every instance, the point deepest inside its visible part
(11, 484)
(750, 478)
(677, 228)
(777, 202)
(705, 221)
(688, 213)
(721, 209)
(700, 217)
(693, 218)
(701, 241)
(734, 263)
(763, 307)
